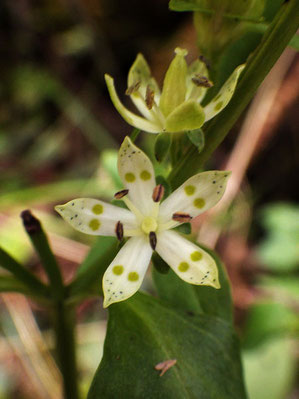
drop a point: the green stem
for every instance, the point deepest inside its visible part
(198, 8)
(64, 315)
(64, 325)
(277, 37)
(40, 242)
(23, 275)
(135, 134)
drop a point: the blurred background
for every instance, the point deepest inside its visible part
(59, 135)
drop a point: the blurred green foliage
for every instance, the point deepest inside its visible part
(279, 251)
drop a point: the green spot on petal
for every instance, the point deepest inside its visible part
(145, 175)
(97, 209)
(199, 203)
(189, 190)
(195, 256)
(94, 224)
(218, 106)
(118, 270)
(183, 266)
(130, 177)
(133, 276)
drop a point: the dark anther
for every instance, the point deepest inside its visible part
(201, 81)
(181, 217)
(121, 194)
(205, 61)
(158, 193)
(149, 97)
(31, 224)
(153, 240)
(119, 230)
(133, 88)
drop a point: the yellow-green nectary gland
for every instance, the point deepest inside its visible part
(133, 276)
(218, 106)
(149, 224)
(145, 175)
(94, 224)
(199, 203)
(97, 209)
(195, 256)
(189, 190)
(118, 270)
(183, 266)
(130, 177)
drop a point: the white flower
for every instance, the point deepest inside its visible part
(178, 107)
(149, 223)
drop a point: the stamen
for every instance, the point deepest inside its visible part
(121, 194)
(149, 97)
(133, 88)
(158, 193)
(205, 61)
(119, 230)
(153, 240)
(181, 217)
(201, 81)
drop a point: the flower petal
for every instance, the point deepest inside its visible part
(130, 117)
(191, 263)
(137, 174)
(187, 116)
(126, 272)
(225, 94)
(140, 72)
(91, 216)
(196, 195)
(194, 92)
(174, 85)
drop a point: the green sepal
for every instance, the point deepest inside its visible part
(184, 228)
(174, 86)
(162, 146)
(197, 138)
(119, 203)
(187, 116)
(159, 264)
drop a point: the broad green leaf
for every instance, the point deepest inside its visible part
(143, 332)
(197, 138)
(184, 228)
(159, 264)
(162, 146)
(194, 298)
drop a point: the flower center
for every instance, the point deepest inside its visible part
(149, 224)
